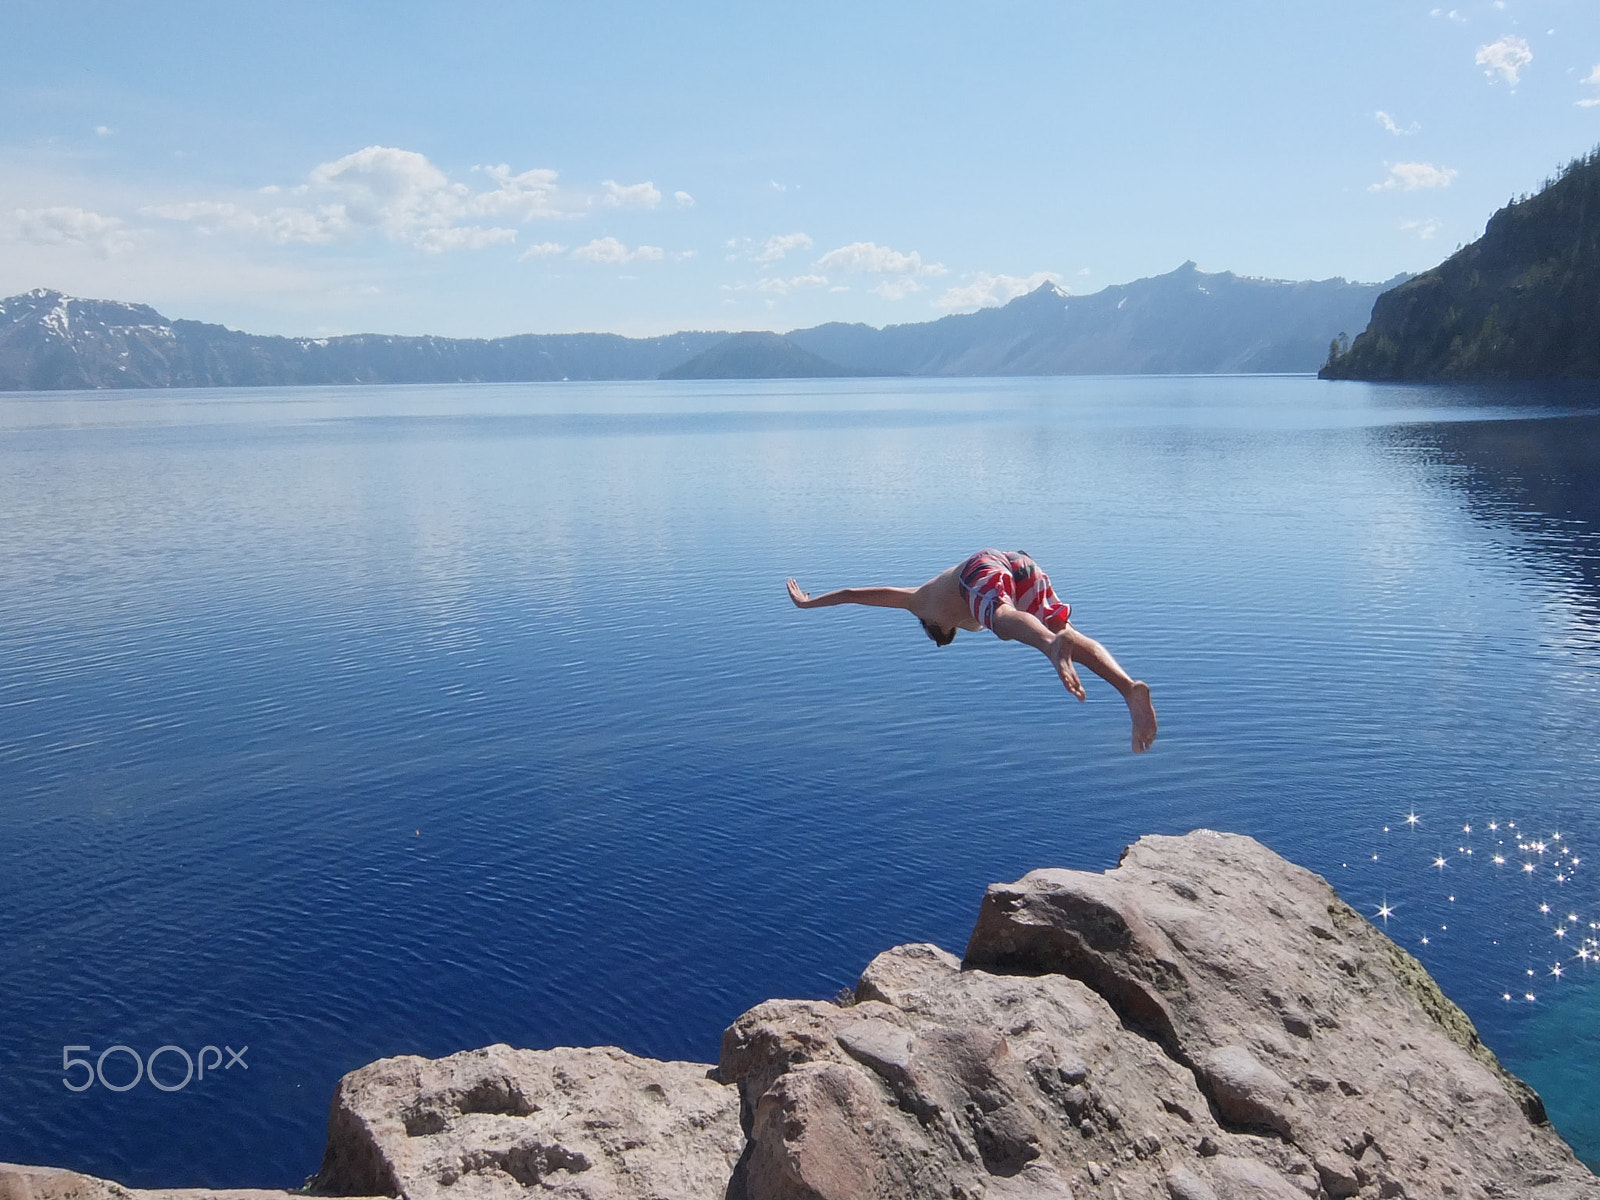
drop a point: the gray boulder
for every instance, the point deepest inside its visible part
(589, 1124)
(1205, 1022)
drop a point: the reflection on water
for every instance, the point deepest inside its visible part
(352, 722)
(1538, 479)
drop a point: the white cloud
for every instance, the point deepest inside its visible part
(1590, 80)
(869, 258)
(783, 287)
(1424, 229)
(986, 290)
(1409, 176)
(542, 250)
(464, 237)
(1394, 126)
(66, 226)
(281, 225)
(633, 195)
(525, 197)
(396, 193)
(1505, 58)
(684, 199)
(776, 247)
(609, 251)
(684, 255)
(103, 131)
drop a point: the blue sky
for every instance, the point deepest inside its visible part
(494, 168)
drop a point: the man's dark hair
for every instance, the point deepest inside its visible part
(941, 637)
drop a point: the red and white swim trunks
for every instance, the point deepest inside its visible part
(992, 577)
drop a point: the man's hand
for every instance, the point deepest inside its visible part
(801, 599)
(1061, 657)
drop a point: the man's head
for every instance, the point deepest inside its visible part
(941, 637)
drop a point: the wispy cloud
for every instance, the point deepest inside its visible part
(766, 250)
(986, 290)
(323, 223)
(609, 251)
(1394, 126)
(1410, 176)
(402, 196)
(1505, 58)
(396, 193)
(684, 199)
(775, 248)
(280, 224)
(633, 195)
(869, 258)
(66, 226)
(464, 237)
(1424, 229)
(1591, 80)
(782, 287)
(542, 250)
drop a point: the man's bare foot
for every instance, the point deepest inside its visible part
(1144, 717)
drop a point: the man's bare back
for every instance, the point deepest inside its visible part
(984, 591)
(939, 601)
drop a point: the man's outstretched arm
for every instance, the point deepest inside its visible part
(874, 597)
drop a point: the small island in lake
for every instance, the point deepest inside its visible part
(759, 355)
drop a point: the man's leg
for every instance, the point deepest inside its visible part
(1067, 646)
(1013, 625)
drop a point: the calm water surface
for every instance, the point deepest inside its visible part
(341, 723)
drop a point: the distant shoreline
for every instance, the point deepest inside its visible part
(1187, 322)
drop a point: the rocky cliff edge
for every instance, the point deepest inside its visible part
(1207, 1021)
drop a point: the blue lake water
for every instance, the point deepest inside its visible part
(340, 723)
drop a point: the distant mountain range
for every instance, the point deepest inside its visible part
(1521, 302)
(1184, 322)
(50, 341)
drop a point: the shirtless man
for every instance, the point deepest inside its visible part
(1008, 594)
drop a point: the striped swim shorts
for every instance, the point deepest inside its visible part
(993, 577)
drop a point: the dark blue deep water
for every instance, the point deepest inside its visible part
(346, 723)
